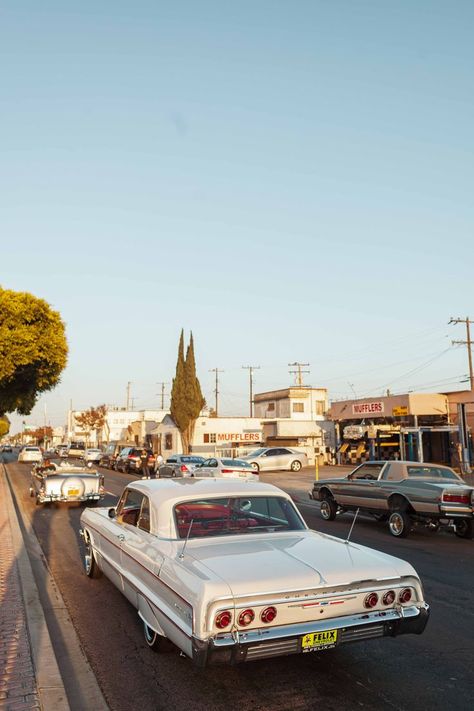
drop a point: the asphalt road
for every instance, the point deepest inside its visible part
(433, 671)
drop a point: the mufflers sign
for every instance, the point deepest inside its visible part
(367, 408)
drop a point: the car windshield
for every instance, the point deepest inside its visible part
(431, 473)
(192, 460)
(236, 516)
(236, 463)
(256, 452)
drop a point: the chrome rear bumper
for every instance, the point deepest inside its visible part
(278, 641)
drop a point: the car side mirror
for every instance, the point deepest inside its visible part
(112, 513)
(350, 476)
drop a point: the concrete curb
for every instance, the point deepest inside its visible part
(77, 676)
(50, 685)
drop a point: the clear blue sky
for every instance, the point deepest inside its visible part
(290, 180)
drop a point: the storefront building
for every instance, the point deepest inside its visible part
(413, 426)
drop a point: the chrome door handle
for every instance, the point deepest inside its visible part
(121, 537)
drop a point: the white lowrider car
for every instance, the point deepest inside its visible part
(228, 571)
(66, 482)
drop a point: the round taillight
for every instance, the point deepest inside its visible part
(371, 600)
(405, 595)
(389, 597)
(246, 617)
(268, 614)
(223, 619)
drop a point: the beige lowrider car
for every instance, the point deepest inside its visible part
(403, 493)
(228, 571)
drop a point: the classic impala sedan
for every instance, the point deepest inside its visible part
(228, 571)
(404, 493)
(52, 482)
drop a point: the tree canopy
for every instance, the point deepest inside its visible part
(186, 396)
(4, 426)
(33, 350)
(95, 418)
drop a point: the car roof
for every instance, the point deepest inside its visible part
(159, 490)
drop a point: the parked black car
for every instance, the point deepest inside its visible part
(129, 460)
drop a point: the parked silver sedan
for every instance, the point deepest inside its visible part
(226, 469)
(274, 458)
(179, 465)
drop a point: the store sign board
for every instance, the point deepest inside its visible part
(240, 437)
(400, 411)
(368, 408)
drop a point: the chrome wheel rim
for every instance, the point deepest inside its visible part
(150, 636)
(296, 466)
(88, 557)
(396, 524)
(325, 510)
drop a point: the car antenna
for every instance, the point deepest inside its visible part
(352, 526)
(181, 555)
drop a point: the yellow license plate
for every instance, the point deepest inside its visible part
(73, 492)
(319, 640)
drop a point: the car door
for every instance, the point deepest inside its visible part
(203, 469)
(166, 469)
(363, 489)
(140, 559)
(110, 542)
(285, 458)
(268, 460)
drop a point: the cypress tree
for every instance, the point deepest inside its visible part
(194, 398)
(178, 397)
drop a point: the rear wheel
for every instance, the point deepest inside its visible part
(464, 528)
(152, 638)
(328, 509)
(295, 466)
(399, 524)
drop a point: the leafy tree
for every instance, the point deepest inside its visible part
(186, 396)
(33, 350)
(93, 419)
(4, 426)
(42, 434)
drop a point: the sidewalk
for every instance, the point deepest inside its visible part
(29, 675)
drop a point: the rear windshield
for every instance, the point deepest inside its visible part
(191, 460)
(32, 449)
(236, 463)
(431, 473)
(236, 516)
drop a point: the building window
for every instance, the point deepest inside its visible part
(271, 407)
(168, 440)
(298, 407)
(320, 407)
(212, 437)
(209, 437)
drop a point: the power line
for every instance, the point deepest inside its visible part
(216, 389)
(467, 343)
(298, 373)
(162, 394)
(251, 368)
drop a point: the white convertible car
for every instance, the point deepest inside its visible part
(228, 571)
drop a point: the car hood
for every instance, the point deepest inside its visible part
(289, 561)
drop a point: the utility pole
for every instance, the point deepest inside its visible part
(467, 343)
(216, 391)
(298, 373)
(128, 394)
(251, 368)
(162, 394)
